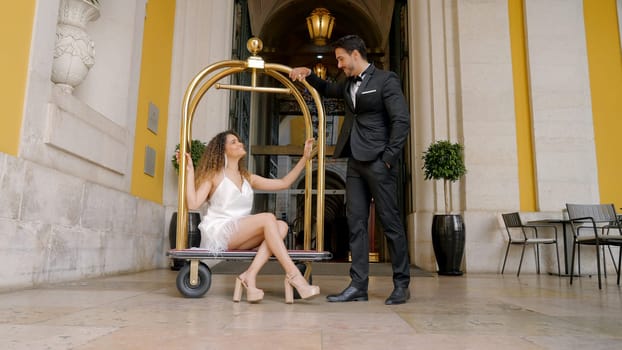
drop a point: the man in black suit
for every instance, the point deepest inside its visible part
(372, 136)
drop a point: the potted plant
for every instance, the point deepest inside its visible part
(196, 151)
(194, 218)
(444, 160)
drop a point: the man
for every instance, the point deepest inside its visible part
(372, 136)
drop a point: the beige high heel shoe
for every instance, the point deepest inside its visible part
(253, 295)
(305, 290)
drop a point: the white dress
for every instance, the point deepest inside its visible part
(227, 205)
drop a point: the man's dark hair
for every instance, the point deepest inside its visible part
(351, 43)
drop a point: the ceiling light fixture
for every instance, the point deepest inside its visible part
(320, 24)
(320, 70)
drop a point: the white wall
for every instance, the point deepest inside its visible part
(90, 133)
(461, 73)
(565, 154)
(203, 36)
(489, 127)
(65, 208)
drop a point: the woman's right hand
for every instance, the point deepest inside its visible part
(308, 150)
(189, 165)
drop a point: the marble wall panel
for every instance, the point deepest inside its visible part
(72, 253)
(22, 248)
(487, 92)
(489, 126)
(481, 26)
(118, 35)
(116, 238)
(65, 228)
(11, 183)
(153, 240)
(488, 190)
(73, 134)
(565, 157)
(485, 242)
(487, 97)
(423, 249)
(50, 196)
(108, 209)
(557, 87)
(149, 218)
(90, 250)
(492, 147)
(149, 253)
(120, 252)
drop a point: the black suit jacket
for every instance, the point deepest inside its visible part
(379, 124)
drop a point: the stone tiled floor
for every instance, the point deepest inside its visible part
(145, 311)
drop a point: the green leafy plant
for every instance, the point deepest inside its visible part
(196, 151)
(444, 160)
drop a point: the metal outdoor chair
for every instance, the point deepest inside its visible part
(597, 225)
(513, 223)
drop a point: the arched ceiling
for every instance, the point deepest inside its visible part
(281, 25)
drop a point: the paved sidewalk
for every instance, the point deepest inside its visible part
(145, 311)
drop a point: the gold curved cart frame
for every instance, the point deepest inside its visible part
(197, 89)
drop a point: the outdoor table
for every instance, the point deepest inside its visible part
(567, 240)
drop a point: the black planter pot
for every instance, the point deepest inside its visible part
(448, 241)
(194, 236)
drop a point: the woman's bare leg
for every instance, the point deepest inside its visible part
(263, 254)
(250, 234)
(265, 231)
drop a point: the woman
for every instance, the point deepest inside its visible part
(222, 180)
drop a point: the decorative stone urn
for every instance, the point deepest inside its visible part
(74, 53)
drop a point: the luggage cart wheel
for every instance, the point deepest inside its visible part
(202, 284)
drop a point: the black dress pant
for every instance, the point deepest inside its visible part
(364, 181)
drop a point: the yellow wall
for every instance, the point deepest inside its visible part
(526, 175)
(154, 87)
(605, 66)
(14, 57)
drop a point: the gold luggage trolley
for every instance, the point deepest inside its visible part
(194, 278)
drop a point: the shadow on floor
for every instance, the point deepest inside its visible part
(318, 268)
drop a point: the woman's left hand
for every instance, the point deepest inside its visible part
(307, 153)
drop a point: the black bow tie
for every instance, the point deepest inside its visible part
(357, 78)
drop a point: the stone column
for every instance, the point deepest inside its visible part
(434, 78)
(488, 127)
(563, 134)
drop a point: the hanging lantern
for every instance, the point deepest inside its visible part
(320, 24)
(320, 70)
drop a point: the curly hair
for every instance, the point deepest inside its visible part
(213, 159)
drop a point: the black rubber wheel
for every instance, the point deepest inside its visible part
(197, 291)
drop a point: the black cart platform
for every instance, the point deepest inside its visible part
(195, 277)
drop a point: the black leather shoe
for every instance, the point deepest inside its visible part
(348, 294)
(398, 296)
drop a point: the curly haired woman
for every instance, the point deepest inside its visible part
(221, 180)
